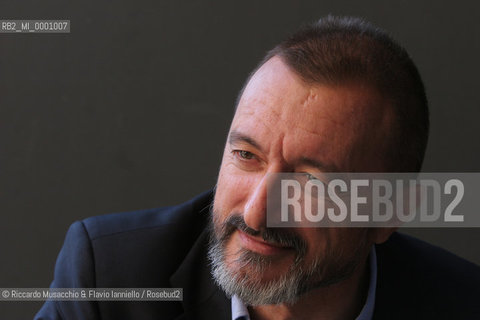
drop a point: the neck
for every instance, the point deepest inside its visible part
(343, 300)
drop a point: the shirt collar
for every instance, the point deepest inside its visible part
(240, 311)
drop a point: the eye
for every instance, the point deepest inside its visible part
(244, 155)
(315, 178)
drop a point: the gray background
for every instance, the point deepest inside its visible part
(131, 109)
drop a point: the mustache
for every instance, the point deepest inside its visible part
(276, 236)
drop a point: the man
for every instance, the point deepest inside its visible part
(337, 96)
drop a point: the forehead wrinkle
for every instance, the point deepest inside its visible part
(318, 130)
(251, 119)
(257, 104)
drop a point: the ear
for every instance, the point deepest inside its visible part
(380, 235)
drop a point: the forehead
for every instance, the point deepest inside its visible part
(278, 108)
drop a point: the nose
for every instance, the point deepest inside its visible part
(254, 213)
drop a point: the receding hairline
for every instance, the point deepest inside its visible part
(353, 82)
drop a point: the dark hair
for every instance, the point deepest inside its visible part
(342, 50)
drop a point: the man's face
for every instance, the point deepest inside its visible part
(285, 125)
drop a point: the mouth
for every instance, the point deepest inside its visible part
(258, 245)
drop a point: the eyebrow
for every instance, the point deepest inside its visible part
(237, 137)
(318, 165)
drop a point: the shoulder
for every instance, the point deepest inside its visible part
(414, 276)
(144, 248)
(412, 254)
(187, 216)
(140, 249)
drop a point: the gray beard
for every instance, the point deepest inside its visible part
(246, 283)
(285, 289)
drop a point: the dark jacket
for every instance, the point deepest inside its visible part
(167, 247)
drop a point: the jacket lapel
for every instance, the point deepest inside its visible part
(202, 298)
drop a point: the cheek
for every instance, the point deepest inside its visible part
(228, 195)
(349, 242)
(334, 242)
(233, 188)
(318, 239)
